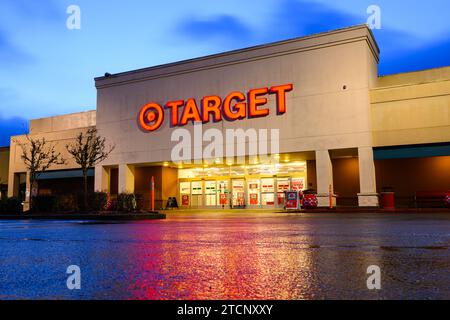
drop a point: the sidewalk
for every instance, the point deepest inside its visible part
(373, 210)
(104, 216)
(317, 210)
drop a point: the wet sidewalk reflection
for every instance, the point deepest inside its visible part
(230, 256)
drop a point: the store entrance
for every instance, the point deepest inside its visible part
(210, 193)
(255, 186)
(197, 194)
(238, 193)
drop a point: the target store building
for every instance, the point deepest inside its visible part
(336, 124)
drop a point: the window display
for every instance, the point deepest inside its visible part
(283, 184)
(298, 184)
(253, 192)
(223, 192)
(185, 193)
(267, 191)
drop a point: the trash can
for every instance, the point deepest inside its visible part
(387, 200)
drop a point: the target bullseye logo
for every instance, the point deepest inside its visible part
(151, 116)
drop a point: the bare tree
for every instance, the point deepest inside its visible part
(38, 155)
(88, 150)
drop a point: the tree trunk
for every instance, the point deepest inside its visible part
(30, 199)
(85, 189)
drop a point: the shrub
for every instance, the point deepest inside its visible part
(10, 205)
(126, 202)
(97, 201)
(45, 204)
(66, 202)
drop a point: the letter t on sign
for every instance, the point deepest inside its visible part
(280, 91)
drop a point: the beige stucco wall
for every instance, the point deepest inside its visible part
(4, 165)
(411, 108)
(58, 131)
(63, 122)
(320, 113)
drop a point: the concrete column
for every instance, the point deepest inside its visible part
(368, 196)
(324, 173)
(13, 184)
(102, 179)
(126, 178)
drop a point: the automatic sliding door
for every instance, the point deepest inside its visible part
(238, 193)
(197, 194)
(210, 193)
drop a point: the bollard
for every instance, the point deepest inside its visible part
(152, 195)
(330, 193)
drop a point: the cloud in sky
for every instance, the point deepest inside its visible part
(216, 28)
(288, 19)
(296, 18)
(11, 127)
(300, 18)
(33, 10)
(11, 56)
(435, 55)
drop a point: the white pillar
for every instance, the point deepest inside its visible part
(102, 179)
(13, 184)
(324, 173)
(126, 178)
(368, 196)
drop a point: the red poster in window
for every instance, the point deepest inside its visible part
(297, 184)
(254, 198)
(280, 198)
(240, 199)
(185, 200)
(223, 198)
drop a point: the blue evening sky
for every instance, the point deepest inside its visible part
(47, 69)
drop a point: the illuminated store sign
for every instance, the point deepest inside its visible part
(234, 106)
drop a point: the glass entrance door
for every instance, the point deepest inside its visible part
(238, 193)
(283, 185)
(223, 193)
(197, 194)
(253, 192)
(210, 193)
